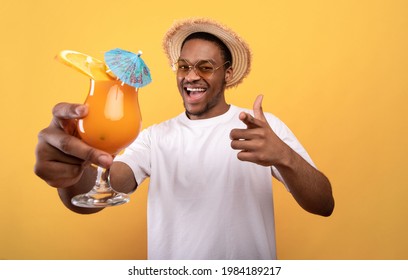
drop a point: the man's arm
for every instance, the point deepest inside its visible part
(259, 144)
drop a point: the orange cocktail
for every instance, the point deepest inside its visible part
(114, 118)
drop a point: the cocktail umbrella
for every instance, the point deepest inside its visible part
(128, 67)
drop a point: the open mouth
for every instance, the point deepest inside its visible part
(195, 93)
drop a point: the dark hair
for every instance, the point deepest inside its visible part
(225, 52)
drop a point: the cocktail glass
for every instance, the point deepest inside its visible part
(113, 122)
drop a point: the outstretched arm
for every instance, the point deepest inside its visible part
(259, 144)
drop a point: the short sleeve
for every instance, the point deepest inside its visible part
(138, 156)
(287, 136)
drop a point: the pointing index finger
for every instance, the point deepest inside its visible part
(249, 120)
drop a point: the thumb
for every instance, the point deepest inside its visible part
(258, 111)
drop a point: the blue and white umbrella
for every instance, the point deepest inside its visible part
(128, 67)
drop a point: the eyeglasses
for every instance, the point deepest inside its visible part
(203, 68)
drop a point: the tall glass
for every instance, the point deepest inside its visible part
(113, 122)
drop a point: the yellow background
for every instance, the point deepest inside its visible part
(335, 71)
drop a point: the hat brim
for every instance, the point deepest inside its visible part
(240, 51)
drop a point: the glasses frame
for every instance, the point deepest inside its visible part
(193, 67)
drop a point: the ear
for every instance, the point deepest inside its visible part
(229, 73)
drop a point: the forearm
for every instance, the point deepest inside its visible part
(310, 188)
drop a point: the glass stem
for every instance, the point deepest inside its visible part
(101, 184)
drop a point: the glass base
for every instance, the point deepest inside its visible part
(101, 195)
(95, 199)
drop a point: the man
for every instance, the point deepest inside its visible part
(210, 168)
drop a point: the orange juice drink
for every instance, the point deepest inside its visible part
(114, 118)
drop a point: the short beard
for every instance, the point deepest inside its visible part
(213, 102)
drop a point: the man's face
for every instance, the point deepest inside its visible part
(203, 97)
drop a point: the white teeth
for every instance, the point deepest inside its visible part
(195, 89)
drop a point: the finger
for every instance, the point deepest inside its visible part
(243, 134)
(243, 145)
(66, 115)
(45, 152)
(249, 120)
(246, 156)
(69, 111)
(75, 147)
(258, 111)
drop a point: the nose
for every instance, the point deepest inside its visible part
(192, 75)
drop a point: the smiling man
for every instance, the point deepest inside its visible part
(210, 168)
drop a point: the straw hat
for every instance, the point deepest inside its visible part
(240, 51)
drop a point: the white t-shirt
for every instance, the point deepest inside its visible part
(204, 203)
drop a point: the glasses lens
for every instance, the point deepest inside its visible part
(203, 68)
(183, 67)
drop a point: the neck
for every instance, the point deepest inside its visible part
(209, 112)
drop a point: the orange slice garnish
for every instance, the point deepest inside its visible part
(85, 64)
